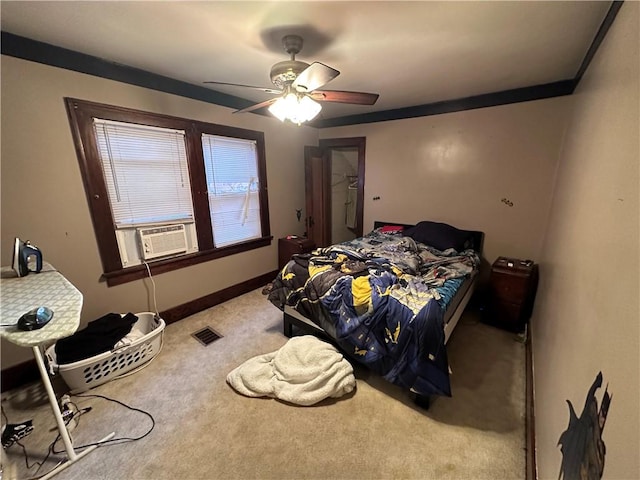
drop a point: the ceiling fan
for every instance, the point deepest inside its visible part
(298, 86)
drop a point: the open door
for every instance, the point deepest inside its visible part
(334, 215)
(316, 173)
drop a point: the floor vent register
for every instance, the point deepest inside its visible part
(206, 336)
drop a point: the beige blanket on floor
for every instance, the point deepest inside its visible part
(304, 371)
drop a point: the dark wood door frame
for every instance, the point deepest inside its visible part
(349, 143)
(317, 165)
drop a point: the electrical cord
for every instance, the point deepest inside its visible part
(155, 305)
(72, 413)
(26, 454)
(115, 441)
(153, 283)
(76, 415)
(40, 463)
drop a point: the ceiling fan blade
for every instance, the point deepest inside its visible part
(262, 89)
(314, 76)
(337, 96)
(257, 106)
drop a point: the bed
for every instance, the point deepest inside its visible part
(390, 299)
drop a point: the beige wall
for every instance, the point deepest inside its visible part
(43, 198)
(587, 314)
(457, 168)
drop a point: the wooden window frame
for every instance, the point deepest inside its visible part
(81, 114)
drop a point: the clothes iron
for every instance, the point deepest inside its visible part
(22, 253)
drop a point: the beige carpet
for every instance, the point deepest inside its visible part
(204, 430)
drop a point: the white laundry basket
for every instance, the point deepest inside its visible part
(99, 369)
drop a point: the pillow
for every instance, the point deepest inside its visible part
(440, 236)
(391, 229)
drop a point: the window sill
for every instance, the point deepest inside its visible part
(130, 274)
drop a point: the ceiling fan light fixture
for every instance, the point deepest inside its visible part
(297, 84)
(296, 108)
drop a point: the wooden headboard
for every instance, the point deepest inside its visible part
(478, 237)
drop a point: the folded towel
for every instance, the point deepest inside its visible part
(304, 371)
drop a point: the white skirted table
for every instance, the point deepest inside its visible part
(47, 288)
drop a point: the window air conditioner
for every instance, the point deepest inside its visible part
(162, 241)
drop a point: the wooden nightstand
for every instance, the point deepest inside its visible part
(512, 291)
(287, 247)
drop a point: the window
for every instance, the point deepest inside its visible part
(168, 191)
(232, 184)
(134, 157)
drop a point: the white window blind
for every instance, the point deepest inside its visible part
(231, 167)
(145, 169)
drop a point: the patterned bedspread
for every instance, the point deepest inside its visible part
(382, 298)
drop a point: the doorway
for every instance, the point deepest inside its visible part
(334, 183)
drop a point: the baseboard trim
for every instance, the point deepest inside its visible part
(530, 416)
(194, 306)
(26, 372)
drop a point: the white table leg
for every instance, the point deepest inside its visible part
(62, 428)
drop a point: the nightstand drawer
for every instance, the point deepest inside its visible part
(513, 288)
(507, 314)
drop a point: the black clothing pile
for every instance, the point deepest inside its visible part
(97, 337)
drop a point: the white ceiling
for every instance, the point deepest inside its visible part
(411, 53)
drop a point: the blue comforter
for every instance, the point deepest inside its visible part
(382, 298)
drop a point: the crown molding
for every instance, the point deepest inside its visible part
(47, 54)
(526, 94)
(36, 51)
